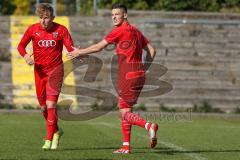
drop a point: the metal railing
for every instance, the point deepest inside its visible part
(193, 21)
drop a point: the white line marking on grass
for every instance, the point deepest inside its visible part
(181, 149)
(167, 144)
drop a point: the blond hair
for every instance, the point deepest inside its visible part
(44, 10)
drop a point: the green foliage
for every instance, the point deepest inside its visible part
(68, 7)
(23, 7)
(5, 58)
(7, 106)
(28, 106)
(4, 105)
(237, 110)
(141, 5)
(6, 7)
(163, 108)
(86, 8)
(211, 6)
(173, 5)
(140, 107)
(176, 5)
(2, 97)
(134, 4)
(188, 5)
(230, 6)
(231, 3)
(205, 107)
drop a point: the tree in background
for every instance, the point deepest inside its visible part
(23, 7)
(188, 5)
(66, 7)
(85, 7)
(133, 4)
(177, 5)
(6, 7)
(230, 6)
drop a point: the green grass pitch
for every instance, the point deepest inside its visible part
(213, 138)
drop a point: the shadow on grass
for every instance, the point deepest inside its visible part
(158, 150)
(86, 148)
(150, 150)
(78, 159)
(172, 152)
(107, 148)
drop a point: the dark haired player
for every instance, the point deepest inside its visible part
(131, 73)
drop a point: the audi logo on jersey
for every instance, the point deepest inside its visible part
(46, 43)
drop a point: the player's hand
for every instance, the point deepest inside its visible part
(73, 54)
(79, 58)
(76, 54)
(28, 59)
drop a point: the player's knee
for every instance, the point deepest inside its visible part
(124, 112)
(52, 120)
(44, 108)
(51, 104)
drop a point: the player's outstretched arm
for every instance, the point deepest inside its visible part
(89, 50)
(151, 52)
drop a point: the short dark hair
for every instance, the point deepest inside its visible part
(119, 6)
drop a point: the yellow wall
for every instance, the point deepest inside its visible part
(22, 74)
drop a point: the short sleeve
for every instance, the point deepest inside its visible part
(145, 41)
(113, 36)
(67, 40)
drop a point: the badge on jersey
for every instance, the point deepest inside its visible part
(55, 34)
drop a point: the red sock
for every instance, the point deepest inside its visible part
(51, 123)
(126, 132)
(135, 119)
(45, 115)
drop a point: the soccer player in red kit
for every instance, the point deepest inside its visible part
(131, 72)
(47, 38)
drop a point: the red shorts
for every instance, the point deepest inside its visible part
(129, 89)
(48, 85)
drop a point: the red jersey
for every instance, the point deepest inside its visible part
(47, 45)
(131, 78)
(129, 44)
